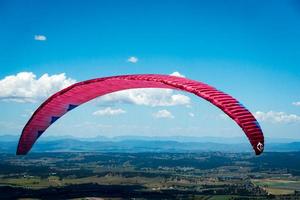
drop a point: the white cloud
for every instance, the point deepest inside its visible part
(296, 103)
(276, 117)
(109, 111)
(40, 37)
(163, 114)
(132, 59)
(26, 87)
(147, 97)
(177, 74)
(191, 114)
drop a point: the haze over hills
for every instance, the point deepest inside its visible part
(8, 144)
(224, 140)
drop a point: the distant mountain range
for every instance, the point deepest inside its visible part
(225, 140)
(8, 144)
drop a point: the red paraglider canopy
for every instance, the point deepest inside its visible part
(69, 98)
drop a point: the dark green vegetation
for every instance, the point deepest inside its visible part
(210, 175)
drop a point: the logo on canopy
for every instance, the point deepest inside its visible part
(260, 146)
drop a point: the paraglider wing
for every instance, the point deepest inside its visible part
(69, 98)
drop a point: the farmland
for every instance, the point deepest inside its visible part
(210, 175)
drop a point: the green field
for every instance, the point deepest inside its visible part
(278, 186)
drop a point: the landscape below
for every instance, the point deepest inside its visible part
(149, 169)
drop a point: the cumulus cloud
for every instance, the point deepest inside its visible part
(147, 97)
(132, 59)
(177, 74)
(26, 87)
(276, 117)
(297, 103)
(40, 37)
(163, 114)
(109, 111)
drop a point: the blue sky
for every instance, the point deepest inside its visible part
(249, 49)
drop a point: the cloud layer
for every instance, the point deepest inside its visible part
(276, 117)
(109, 111)
(163, 114)
(26, 87)
(147, 97)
